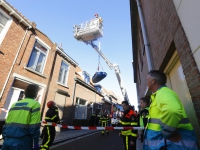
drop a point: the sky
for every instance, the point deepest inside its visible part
(57, 18)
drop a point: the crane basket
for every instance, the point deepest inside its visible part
(89, 30)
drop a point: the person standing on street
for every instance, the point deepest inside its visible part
(104, 122)
(144, 114)
(168, 126)
(92, 119)
(127, 120)
(22, 127)
(98, 116)
(49, 132)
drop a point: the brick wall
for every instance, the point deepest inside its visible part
(164, 30)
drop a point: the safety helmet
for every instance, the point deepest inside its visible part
(51, 104)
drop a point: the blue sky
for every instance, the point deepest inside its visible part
(56, 20)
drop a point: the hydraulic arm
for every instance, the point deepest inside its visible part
(116, 68)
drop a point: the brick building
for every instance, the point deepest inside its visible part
(172, 31)
(26, 54)
(86, 99)
(29, 56)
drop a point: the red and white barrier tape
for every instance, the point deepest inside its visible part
(86, 128)
(92, 128)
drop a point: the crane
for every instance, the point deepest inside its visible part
(90, 31)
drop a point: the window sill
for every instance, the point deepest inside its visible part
(62, 85)
(35, 72)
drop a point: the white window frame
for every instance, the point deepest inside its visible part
(66, 75)
(7, 26)
(86, 77)
(40, 51)
(78, 107)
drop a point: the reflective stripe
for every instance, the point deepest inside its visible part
(184, 121)
(21, 104)
(165, 127)
(128, 133)
(134, 123)
(126, 142)
(145, 116)
(21, 108)
(23, 125)
(104, 121)
(125, 123)
(154, 143)
(35, 110)
(183, 143)
(51, 118)
(48, 133)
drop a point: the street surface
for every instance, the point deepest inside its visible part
(95, 141)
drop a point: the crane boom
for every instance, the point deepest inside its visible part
(90, 31)
(111, 66)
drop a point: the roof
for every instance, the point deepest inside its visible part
(61, 51)
(17, 14)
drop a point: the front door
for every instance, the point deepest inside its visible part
(177, 82)
(14, 95)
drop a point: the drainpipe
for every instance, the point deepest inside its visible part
(71, 110)
(4, 86)
(48, 84)
(144, 34)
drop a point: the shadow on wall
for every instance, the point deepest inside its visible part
(77, 115)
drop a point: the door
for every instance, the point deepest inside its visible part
(60, 103)
(176, 81)
(14, 95)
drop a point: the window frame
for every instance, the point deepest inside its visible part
(86, 77)
(78, 106)
(67, 74)
(6, 27)
(37, 57)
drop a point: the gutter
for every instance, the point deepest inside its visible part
(144, 34)
(15, 13)
(60, 50)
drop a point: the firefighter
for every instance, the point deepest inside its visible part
(49, 132)
(92, 119)
(104, 122)
(144, 114)
(127, 120)
(22, 128)
(98, 116)
(99, 18)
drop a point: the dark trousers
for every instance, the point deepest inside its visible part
(48, 133)
(21, 143)
(127, 140)
(104, 124)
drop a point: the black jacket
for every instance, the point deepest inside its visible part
(52, 115)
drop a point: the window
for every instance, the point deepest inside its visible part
(98, 88)
(81, 109)
(86, 77)
(5, 22)
(38, 57)
(63, 73)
